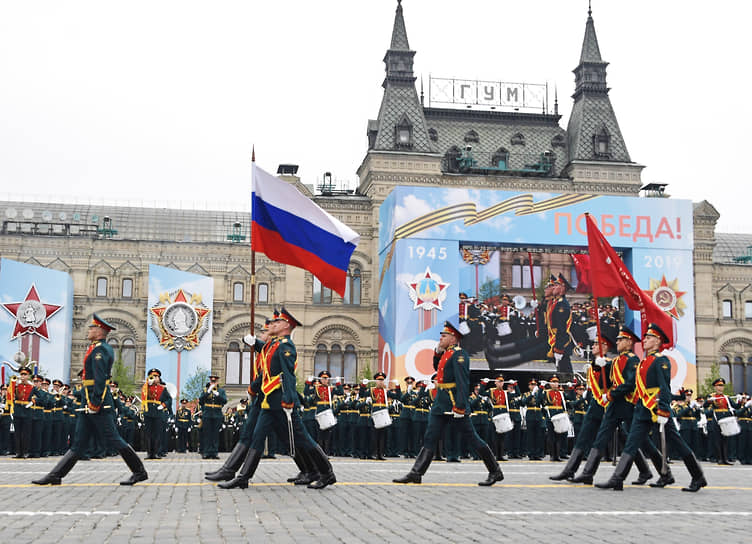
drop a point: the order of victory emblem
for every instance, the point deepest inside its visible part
(427, 291)
(180, 320)
(667, 296)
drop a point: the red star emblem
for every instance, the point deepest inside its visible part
(31, 315)
(667, 296)
(427, 291)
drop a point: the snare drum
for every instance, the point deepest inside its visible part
(503, 423)
(326, 419)
(729, 426)
(560, 423)
(503, 328)
(381, 418)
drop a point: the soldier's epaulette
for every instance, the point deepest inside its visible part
(97, 344)
(283, 341)
(456, 348)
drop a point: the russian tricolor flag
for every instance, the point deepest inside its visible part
(290, 228)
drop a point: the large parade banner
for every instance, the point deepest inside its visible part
(436, 243)
(36, 319)
(179, 327)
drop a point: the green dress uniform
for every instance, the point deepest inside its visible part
(653, 388)
(534, 424)
(744, 445)
(183, 424)
(409, 441)
(718, 407)
(211, 402)
(554, 403)
(19, 401)
(154, 400)
(5, 421)
(97, 419)
(451, 403)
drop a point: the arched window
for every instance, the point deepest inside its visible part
(336, 360)
(350, 370)
(737, 375)
(321, 294)
(128, 355)
(263, 293)
(237, 291)
(232, 364)
(101, 287)
(320, 359)
(352, 287)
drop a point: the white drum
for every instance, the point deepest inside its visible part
(503, 328)
(729, 426)
(326, 419)
(381, 418)
(560, 423)
(503, 423)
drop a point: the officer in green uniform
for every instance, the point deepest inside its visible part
(5, 420)
(534, 422)
(653, 379)
(21, 398)
(452, 365)
(211, 401)
(407, 417)
(39, 398)
(688, 415)
(128, 420)
(49, 404)
(183, 424)
(744, 445)
(96, 419)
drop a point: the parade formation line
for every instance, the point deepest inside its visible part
(617, 513)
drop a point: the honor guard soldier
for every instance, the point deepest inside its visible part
(183, 424)
(378, 399)
(280, 407)
(407, 417)
(653, 378)
(96, 419)
(534, 423)
(211, 401)
(717, 407)
(558, 322)
(154, 400)
(323, 396)
(452, 365)
(5, 441)
(500, 400)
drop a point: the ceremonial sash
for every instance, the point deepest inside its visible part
(442, 363)
(617, 375)
(595, 386)
(648, 396)
(269, 383)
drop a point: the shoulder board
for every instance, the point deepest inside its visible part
(283, 341)
(456, 348)
(97, 344)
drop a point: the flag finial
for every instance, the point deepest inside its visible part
(253, 154)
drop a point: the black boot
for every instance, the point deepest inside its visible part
(642, 465)
(616, 482)
(62, 468)
(231, 466)
(591, 467)
(308, 473)
(572, 465)
(322, 464)
(250, 463)
(492, 465)
(664, 479)
(138, 472)
(724, 453)
(698, 478)
(420, 467)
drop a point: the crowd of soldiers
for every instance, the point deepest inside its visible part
(44, 417)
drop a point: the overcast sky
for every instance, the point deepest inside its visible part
(162, 100)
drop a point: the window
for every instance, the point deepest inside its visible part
(237, 291)
(335, 360)
(352, 287)
(351, 364)
(403, 133)
(232, 364)
(127, 288)
(521, 275)
(601, 143)
(128, 355)
(573, 280)
(101, 287)
(263, 293)
(748, 310)
(726, 312)
(500, 159)
(320, 359)
(321, 294)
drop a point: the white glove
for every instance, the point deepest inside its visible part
(535, 390)
(365, 381)
(569, 384)
(288, 412)
(748, 403)
(160, 407)
(558, 356)
(693, 404)
(29, 405)
(601, 361)
(738, 398)
(369, 400)
(662, 420)
(249, 339)
(604, 398)
(409, 388)
(431, 386)
(457, 416)
(215, 393)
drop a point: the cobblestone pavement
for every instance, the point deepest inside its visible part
(364, 506)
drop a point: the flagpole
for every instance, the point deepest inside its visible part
(253, 257)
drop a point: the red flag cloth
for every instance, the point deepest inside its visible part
(610, 277)
(582, 267)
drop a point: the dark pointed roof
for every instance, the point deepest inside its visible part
(399, 34)
(593, 118)
(400, 105)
